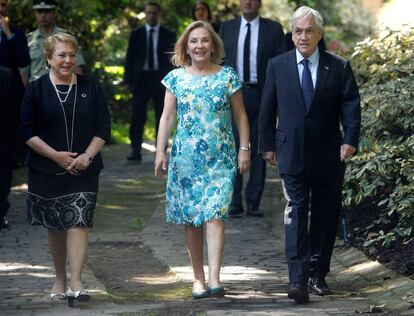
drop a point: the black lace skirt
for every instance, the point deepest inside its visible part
(60, 202)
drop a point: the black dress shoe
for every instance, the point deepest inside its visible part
(236, 211)
(253, 211)
(318, 286)
(5, 223)
(135, 157)
(299, 294)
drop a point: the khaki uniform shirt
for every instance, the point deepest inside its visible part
(38, 66)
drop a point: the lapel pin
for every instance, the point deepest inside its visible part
(83, 95)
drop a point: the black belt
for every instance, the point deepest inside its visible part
(249, 85)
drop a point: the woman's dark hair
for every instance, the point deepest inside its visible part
(205, 4)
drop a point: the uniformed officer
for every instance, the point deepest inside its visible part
(45, 12)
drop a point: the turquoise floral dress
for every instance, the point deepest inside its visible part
(202, 165)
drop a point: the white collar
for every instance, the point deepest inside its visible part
(254, 22)
(314, 58)
(148, 27)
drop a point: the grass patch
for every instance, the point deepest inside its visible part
(120, 133)
(179, 291)
(137, 223)
(120, 130)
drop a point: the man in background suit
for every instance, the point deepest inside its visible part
(309, 93)
(9, 114)
(14, 55)
(147, 62)
(249, 42)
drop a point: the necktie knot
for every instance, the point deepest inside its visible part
(305, 62)
(248, 25)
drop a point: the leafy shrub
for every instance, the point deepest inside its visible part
(383, 171)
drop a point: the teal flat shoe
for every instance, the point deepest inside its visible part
(216, 292)
(199, 295)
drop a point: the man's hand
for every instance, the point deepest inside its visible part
(347, 151)
(270, 157)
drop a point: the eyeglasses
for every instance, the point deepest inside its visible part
(63, 56)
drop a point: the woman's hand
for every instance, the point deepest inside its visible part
(65, 159)
(244, 161)
(160, 164)
(80, 163)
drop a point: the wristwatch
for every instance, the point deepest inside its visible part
(245, 148)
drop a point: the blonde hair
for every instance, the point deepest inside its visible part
(50, 43)
(180, 56)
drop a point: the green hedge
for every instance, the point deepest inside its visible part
(383, 171)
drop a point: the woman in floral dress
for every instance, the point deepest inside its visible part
(202, 97)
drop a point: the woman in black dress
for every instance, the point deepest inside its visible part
(65, 122)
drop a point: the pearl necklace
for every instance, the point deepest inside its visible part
(62, 92)
(68, 143)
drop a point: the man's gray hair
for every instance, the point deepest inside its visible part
(304, 12)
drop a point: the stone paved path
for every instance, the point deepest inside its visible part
(254, 272)
(254, 268)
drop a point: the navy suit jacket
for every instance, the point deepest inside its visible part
(8, 111)
(14, 53)
(137, 50)
(309, 141)
(271, 43)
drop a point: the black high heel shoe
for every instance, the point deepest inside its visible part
(81, 296)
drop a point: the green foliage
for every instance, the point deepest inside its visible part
(120, 133)
(278, 10)
(345, 21)
(384, 168)
(120, 129)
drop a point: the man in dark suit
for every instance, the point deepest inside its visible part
(147, 62)
(8, 123)
(309, 93)
(14, 55)
(249, 42)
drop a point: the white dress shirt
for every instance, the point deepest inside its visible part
(254, 40)
(313, 65)
(155, 36)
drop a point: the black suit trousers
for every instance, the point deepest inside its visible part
(6, 170)
(309, 248)
(149, 87)
(257, 174)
